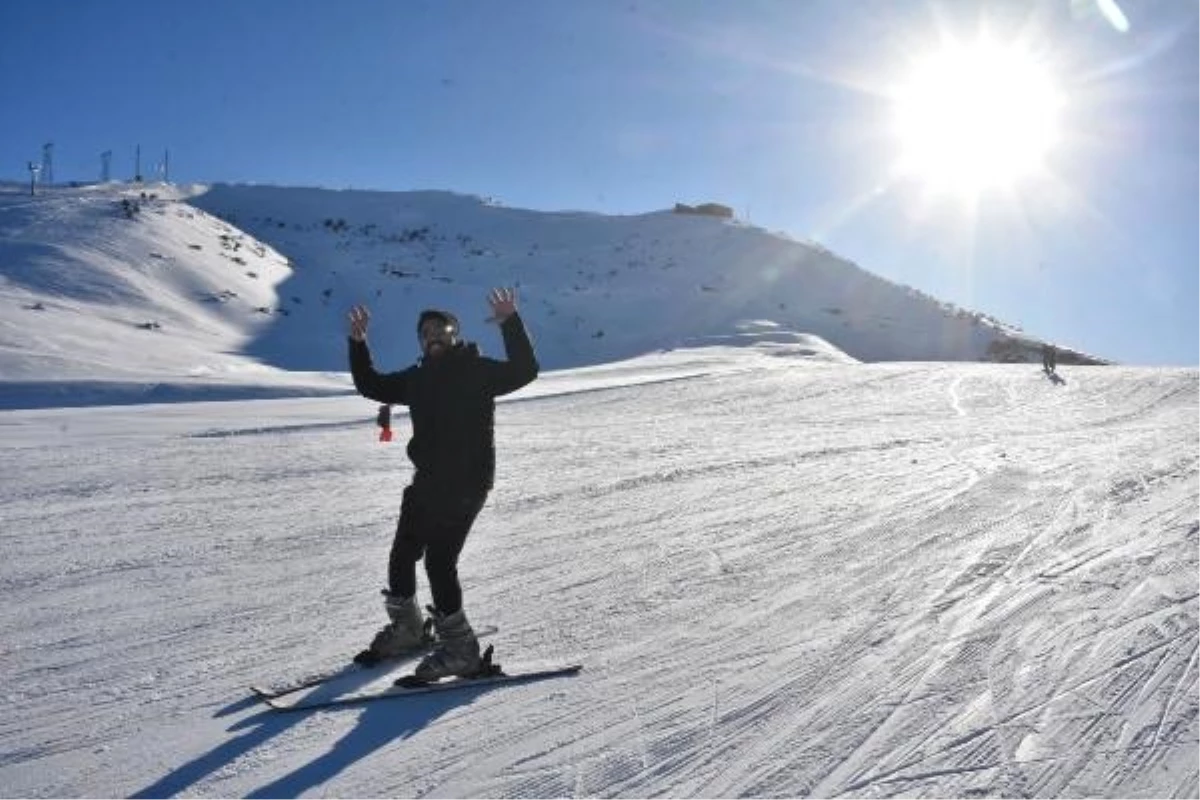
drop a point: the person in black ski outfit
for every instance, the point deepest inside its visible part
(450, 394)
(1049, 358)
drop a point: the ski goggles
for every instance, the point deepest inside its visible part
(437, 329)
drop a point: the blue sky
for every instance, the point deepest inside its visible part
(782, 110)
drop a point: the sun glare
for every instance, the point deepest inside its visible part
(973, 118)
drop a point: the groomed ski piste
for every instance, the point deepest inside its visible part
(786, 573)
(784, 578)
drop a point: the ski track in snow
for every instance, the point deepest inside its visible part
(784, 579)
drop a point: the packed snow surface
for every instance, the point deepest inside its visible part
(786, 574)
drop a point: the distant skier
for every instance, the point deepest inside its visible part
(384, 420)
(1049, 358)
(450, 394)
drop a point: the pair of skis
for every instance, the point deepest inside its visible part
(282, 697)
(274, 690)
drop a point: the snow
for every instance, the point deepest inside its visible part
(227, 292)
(789, 569)
(784, 576)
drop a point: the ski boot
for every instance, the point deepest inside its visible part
(456, 652)
(407, 633)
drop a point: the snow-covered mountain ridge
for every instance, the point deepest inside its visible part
(157, 292)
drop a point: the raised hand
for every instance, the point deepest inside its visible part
(359, 318)
(503, 303)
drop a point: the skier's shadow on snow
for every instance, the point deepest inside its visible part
(380, 722)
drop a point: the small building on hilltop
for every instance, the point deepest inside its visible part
(706, 209)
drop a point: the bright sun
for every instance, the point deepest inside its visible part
(973, 118)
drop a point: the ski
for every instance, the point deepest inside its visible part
(271, 691)
(281, 704)
(405, 687)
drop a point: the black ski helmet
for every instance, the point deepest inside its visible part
(433, 313)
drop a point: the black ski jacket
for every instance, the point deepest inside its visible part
(451, 403)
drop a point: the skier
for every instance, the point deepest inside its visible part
(450, 393)
(1049, 358)
(384, 420)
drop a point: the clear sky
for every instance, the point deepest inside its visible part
(797, 113)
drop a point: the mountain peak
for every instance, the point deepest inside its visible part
(158, 282)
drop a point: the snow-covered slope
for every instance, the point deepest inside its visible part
(99, 303)
(114, 293)
(597, 288)
(785, 576)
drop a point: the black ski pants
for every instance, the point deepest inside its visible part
(435, 527)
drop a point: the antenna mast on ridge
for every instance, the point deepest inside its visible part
(105, 162)
(48, 162)
(34, 169)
